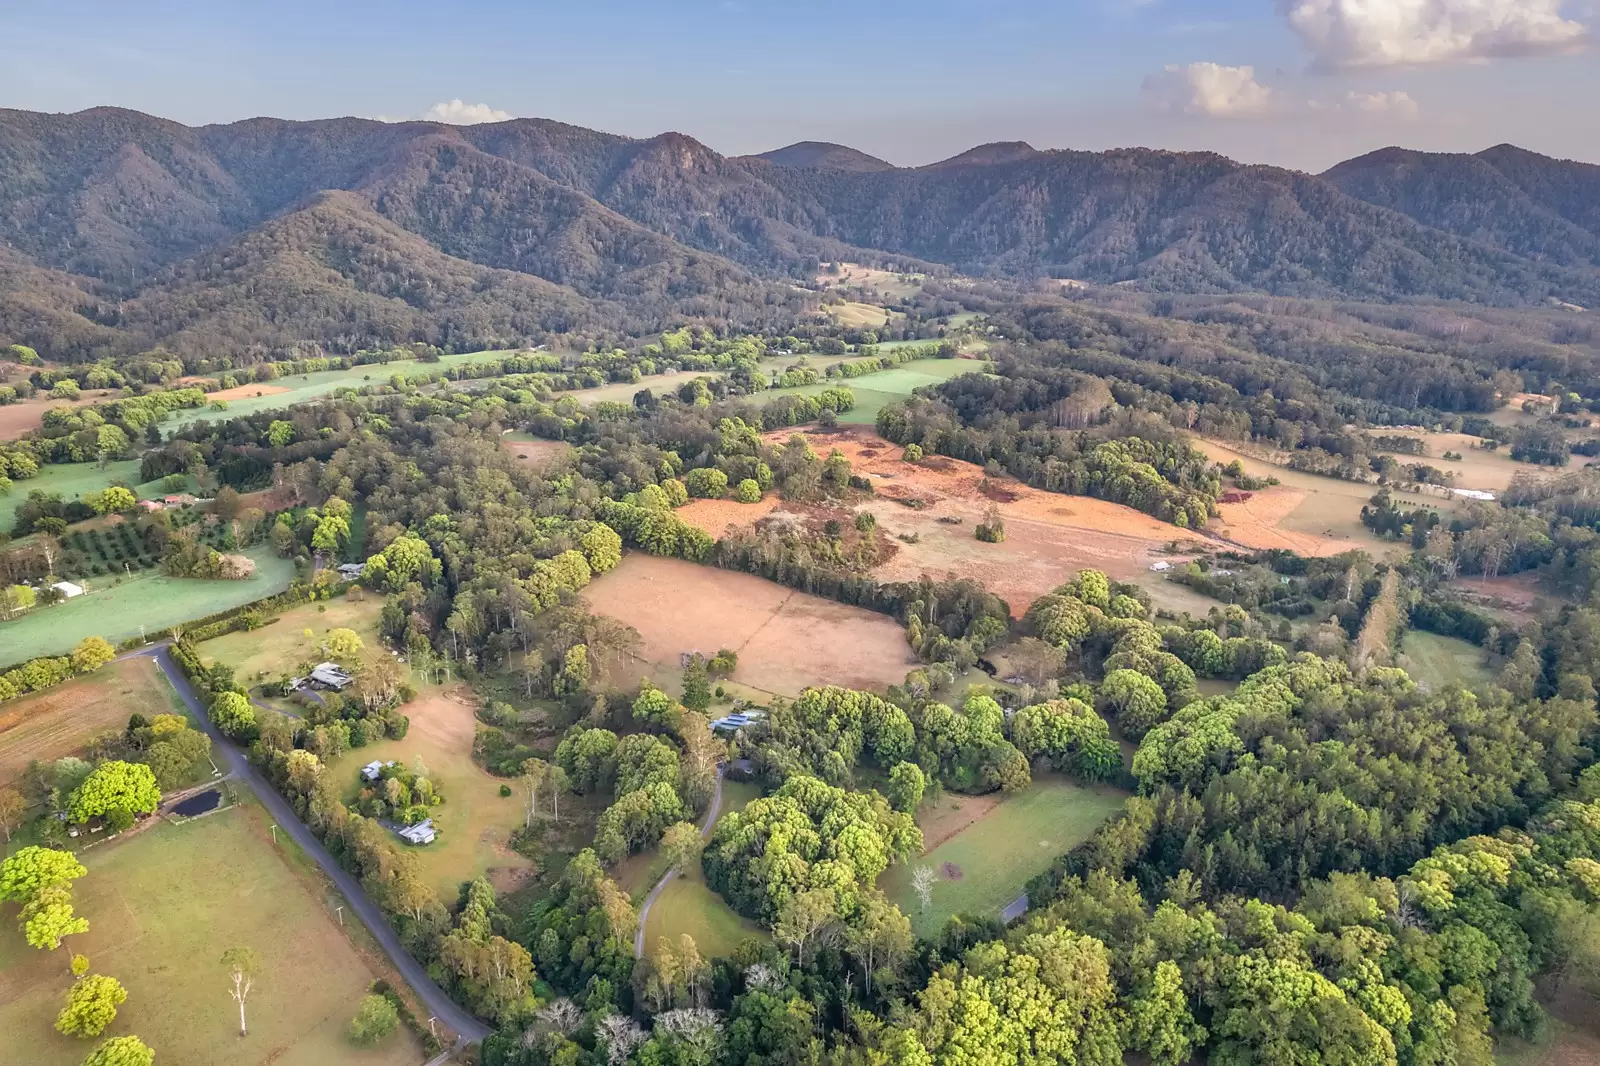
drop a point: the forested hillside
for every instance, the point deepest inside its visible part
(124, 232)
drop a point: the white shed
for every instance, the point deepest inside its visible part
(68, 589)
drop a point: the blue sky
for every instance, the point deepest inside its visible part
(1295, 82)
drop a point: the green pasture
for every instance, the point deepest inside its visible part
(875, 391)
(304, 387)
(687, 905)
(991, 861)
(162, 908)
(116, 610)
(1435, 662)
(72, 481)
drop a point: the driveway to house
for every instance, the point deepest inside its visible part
(650, 901)
(470, 1028)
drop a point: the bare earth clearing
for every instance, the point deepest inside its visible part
(19, 419)
(537, 453)
(244, 392)
(786, 640)
(1049, 536)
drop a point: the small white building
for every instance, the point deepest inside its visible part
(421, 833)
(351, 571)
(372, 770)
(67, 589)
(1161, 567)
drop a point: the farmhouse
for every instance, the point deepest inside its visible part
(737, 721)
(331, 675)
(350, 571)
(421, 833)
(374, 768)
(67, 589)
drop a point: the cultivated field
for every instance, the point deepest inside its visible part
(1049, 536)
(151, 600)
(19, 419)
(63, 720)
(786, 640)
(1434, 662)
(986, 849)
(686, 905)
(475, 821)
(162, 907)
(281, 647)
(717, 517)
(1307, 513)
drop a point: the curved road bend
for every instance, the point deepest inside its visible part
(431, 995)
(649, 901)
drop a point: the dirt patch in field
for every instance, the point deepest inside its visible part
(537, 453)
(446, 718)
(786, 640)
(717, 517)
(950, 871)
(62, 720)
(938, 502)
(1258, 523)
(1517, 595)
(19, 419)
(244, 392)
(952, 814)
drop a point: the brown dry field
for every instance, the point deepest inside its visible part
(786, 640)
(1476, 469)
(886, 282)
(1049, 536)
(717, 517)
(61, 721)
(1308, 513)
(244, 392)
(19, 419)
(536, 452)
(1517, 596)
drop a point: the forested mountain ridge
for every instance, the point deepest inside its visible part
(109, 215)
(1542, 208)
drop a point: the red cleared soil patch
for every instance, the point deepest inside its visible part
(953, 814)
(786, 640)
(717, 517)
(1049, 536)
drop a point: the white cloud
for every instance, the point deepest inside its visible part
(1384, 33)
(1209, 89)
(1396, 105)
(460, 113)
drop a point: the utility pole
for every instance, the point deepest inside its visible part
(341, 915)
(274, 836)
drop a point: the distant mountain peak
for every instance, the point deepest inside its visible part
(986, 155)
(825, 155)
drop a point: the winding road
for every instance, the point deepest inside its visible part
(712, 813)
(456, 1017)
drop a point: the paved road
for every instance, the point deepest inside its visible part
(649, 901)
(236, 765)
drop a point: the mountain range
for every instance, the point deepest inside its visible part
(120, 231)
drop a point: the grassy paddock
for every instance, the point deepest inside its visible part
(1435, 662)
(994, 857)
(162, 907)
(152, 600)
(687, 904)
(475, 821)
(281, 646)
(876, 391)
